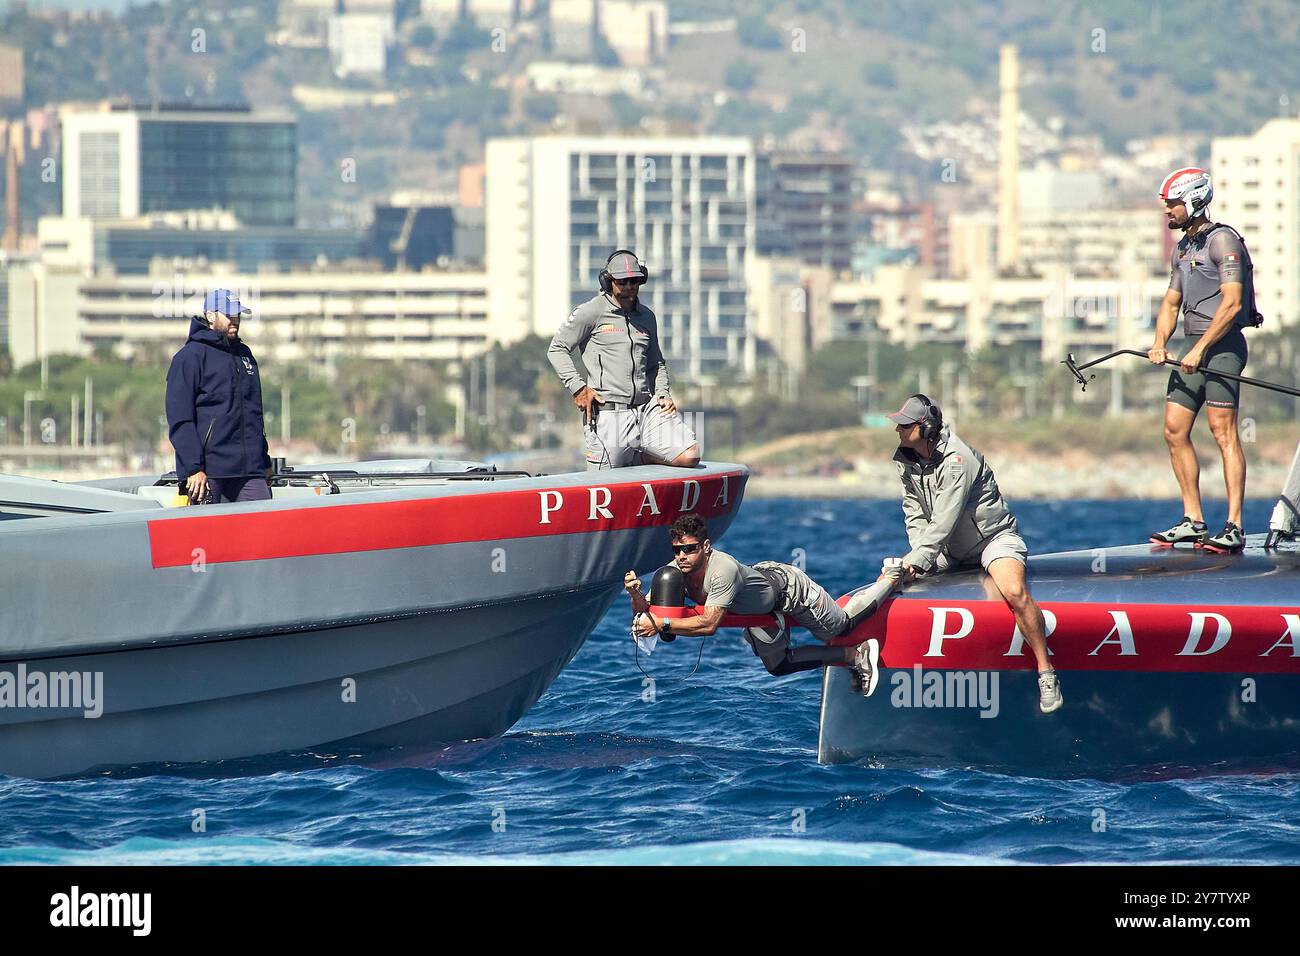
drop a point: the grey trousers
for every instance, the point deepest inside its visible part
(802, 601)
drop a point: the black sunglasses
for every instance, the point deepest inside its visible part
(685, 548)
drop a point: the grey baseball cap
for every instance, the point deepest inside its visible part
(913, 411)
(624, 265)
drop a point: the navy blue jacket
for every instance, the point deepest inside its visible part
(214, 407)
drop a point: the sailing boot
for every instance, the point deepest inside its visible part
(1185, 532)
(1228, 541)
(866, 667)
(1050, 697)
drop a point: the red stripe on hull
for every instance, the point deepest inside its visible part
(493, 516)
(981, 635)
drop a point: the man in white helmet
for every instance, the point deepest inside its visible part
(1210, 279)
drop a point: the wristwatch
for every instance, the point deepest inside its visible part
(666, 628)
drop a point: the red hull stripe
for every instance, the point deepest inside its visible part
(491, 516)
(981, 635)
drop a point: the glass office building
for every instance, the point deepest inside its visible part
(122, 163)
(247, 168)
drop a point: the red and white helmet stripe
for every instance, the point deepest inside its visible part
(1189, 185)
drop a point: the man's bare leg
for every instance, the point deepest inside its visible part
(687, 459)
(1178, 436)
(1223, 425)
(1009, 576)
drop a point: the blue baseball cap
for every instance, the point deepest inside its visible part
(225, 302)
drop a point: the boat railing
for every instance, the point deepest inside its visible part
(333, 478)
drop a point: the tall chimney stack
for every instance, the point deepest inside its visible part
(13, 208)
(1009, 160)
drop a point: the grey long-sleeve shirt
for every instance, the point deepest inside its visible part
(951, 502)
(619, 349)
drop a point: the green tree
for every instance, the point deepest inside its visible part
(880, 73)
(541, 107)
(465, 36)
(423, 36)
(603, 53)
(740, 75)
(755, 32)
(742, 117)
(626, 110)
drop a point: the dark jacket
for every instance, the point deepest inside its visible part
(214, 407)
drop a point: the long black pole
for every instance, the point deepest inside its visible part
(1077, 371)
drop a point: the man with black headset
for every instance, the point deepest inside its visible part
(629, 415)
(957, 518)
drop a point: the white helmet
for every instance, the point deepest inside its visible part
(1190, 186)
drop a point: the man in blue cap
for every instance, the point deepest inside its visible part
(214, 409)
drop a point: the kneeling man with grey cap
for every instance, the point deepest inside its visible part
(957, 518)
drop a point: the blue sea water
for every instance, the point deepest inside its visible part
(719, 768)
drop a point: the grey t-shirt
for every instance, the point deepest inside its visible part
(735, 586)
(1198, 266)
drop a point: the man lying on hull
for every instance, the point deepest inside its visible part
(718, 583)
(957, 518)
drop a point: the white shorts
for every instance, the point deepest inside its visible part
(1004, 544)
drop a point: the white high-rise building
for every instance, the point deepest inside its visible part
(304, 315)
(486, 14)
(636, 29)
(573, 27)
(558, 206)
(442, 14)
(1046, 191)
(1257, 192)
(489, 14)
(359, 43)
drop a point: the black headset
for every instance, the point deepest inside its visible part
(932, 424)
(606, 280)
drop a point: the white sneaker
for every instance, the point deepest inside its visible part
(1050, 697)
(866, 667)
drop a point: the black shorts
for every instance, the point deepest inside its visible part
(1203, 387)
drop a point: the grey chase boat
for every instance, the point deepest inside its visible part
(368, 605)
